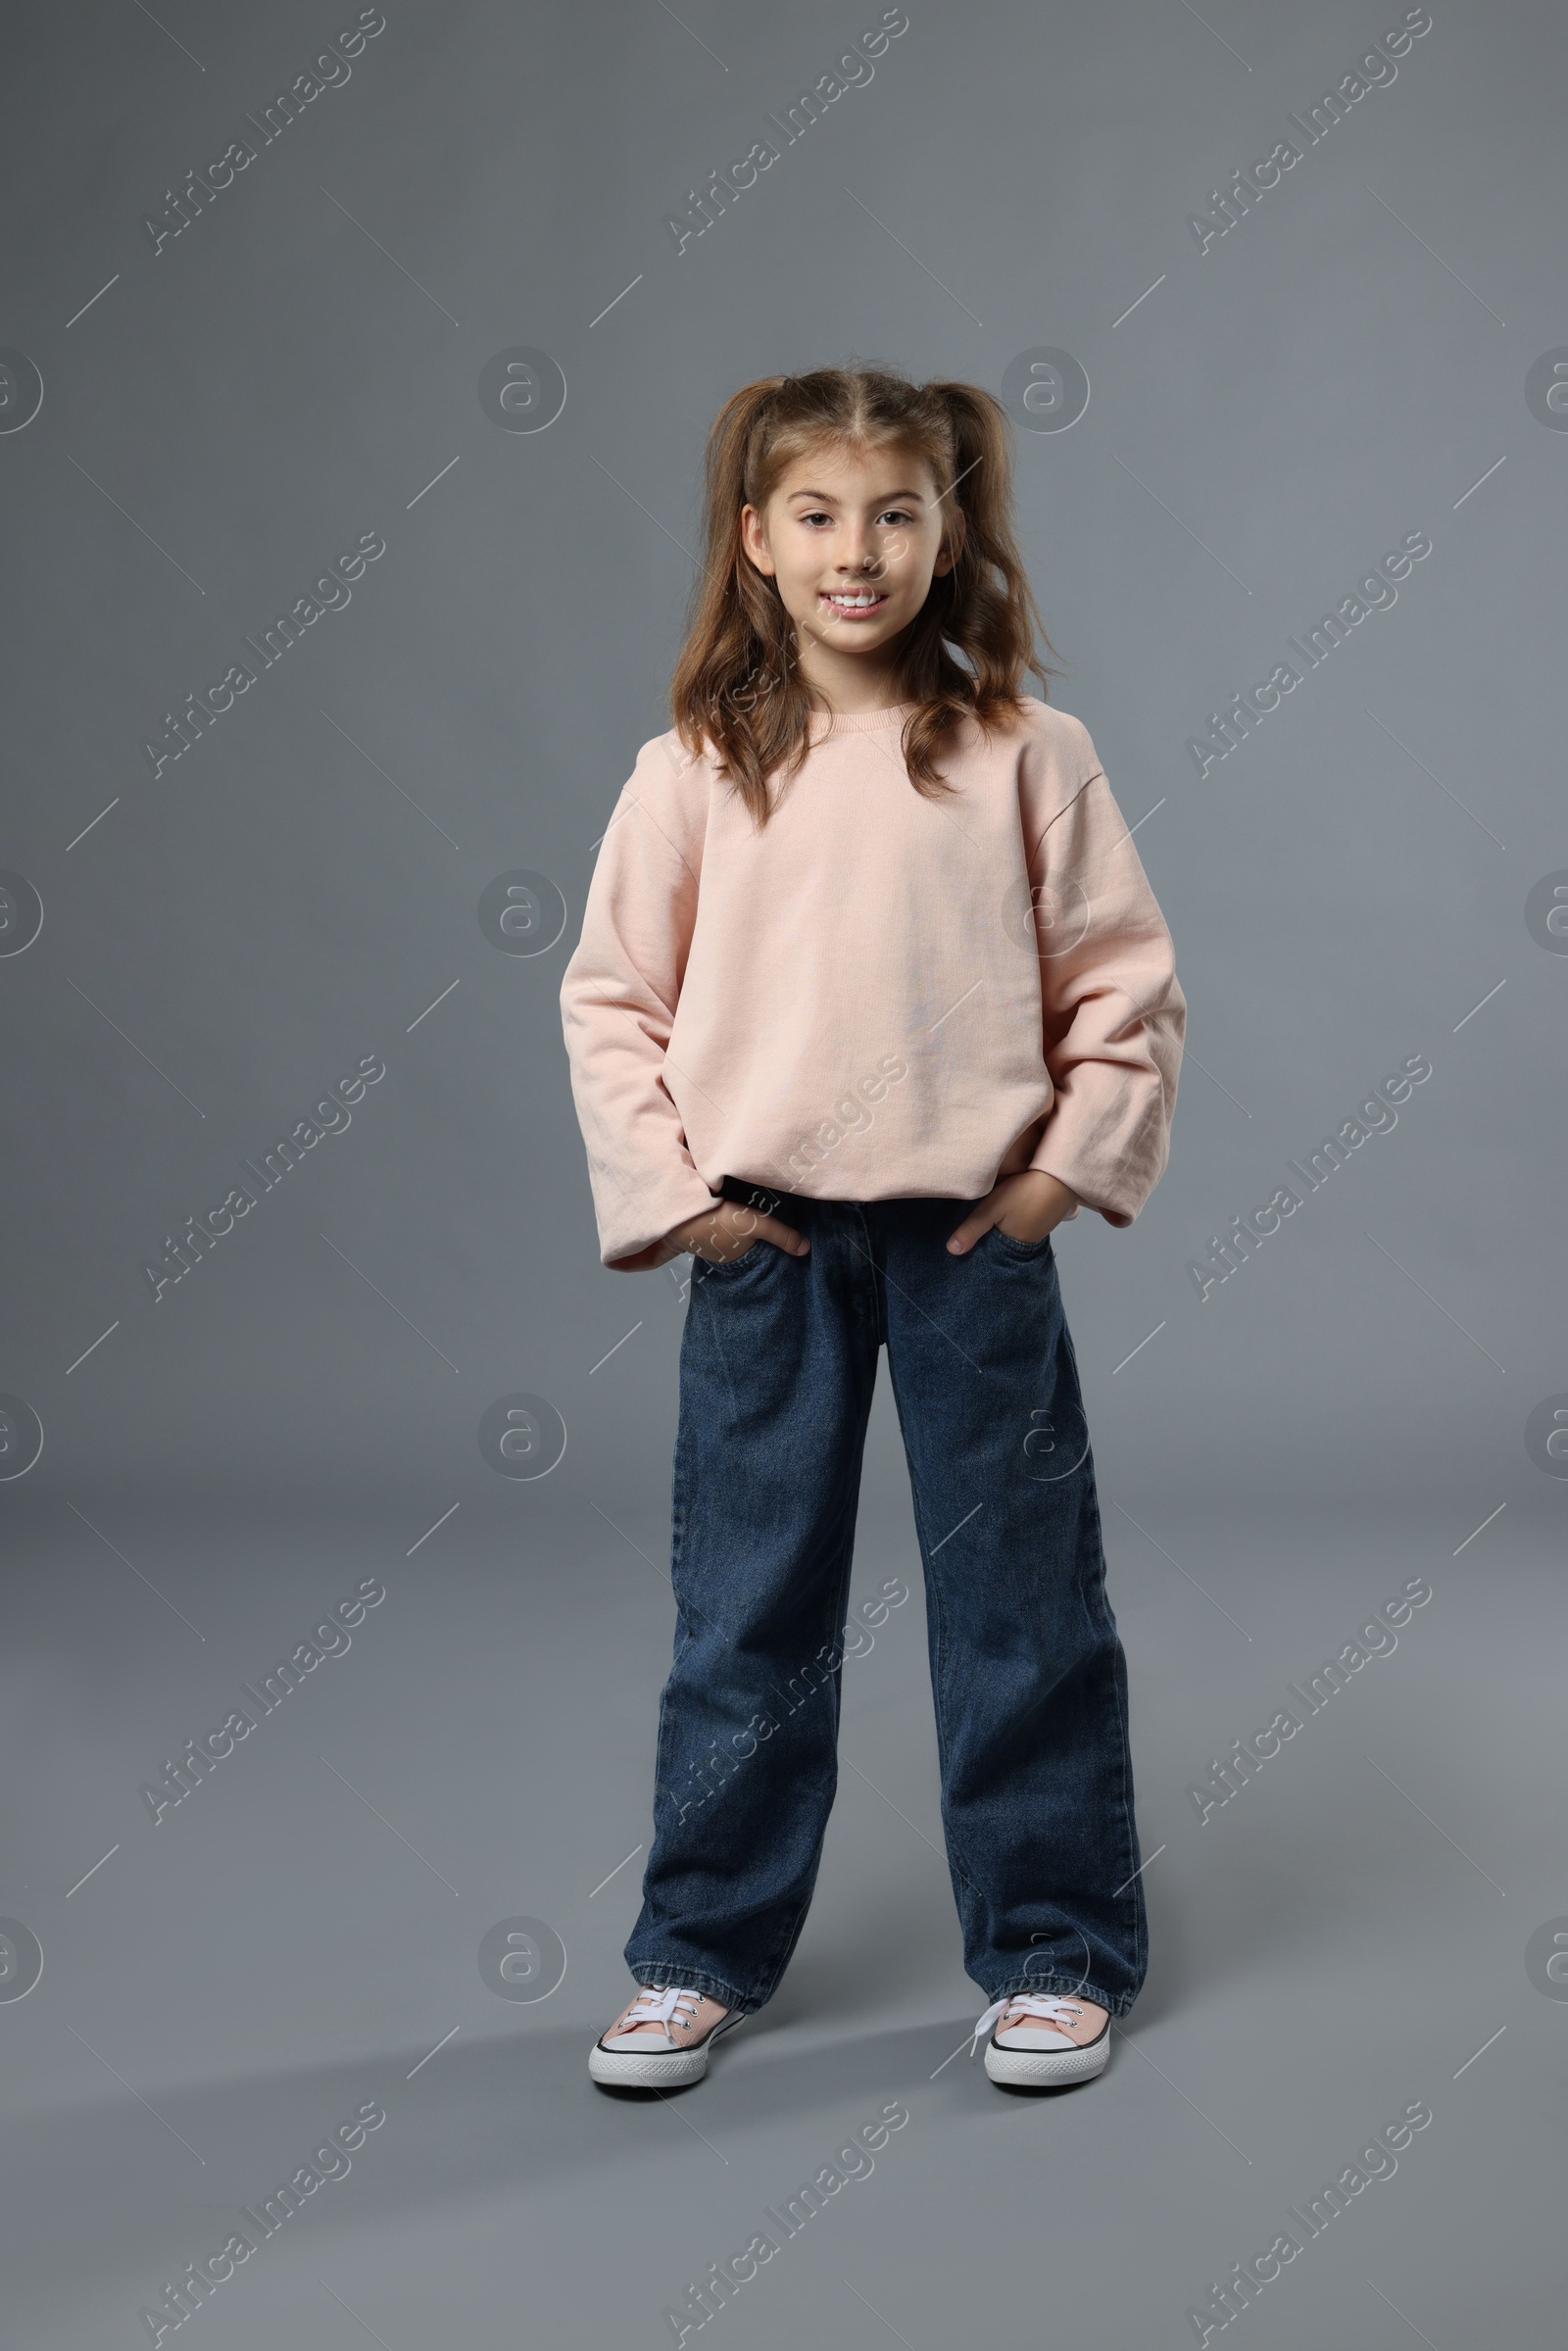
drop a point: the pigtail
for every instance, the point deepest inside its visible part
(982, 606)
(736, 691)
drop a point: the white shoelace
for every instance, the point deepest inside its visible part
(652, 2007)
(1039, 2004)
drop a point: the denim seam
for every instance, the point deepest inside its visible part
(791, 1933)
(841, 1604)
(933, 1591)
(1101, 1625)
(723, 1359)
(682, 1633)
(1134, 1892)
(792, 1936)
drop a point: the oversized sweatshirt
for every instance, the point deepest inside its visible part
(876, 994)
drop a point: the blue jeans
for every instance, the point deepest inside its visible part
(777, 1365)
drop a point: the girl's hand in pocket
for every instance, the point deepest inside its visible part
(724, 1233)
(1026, 1207)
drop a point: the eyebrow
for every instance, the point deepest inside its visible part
(826, 497)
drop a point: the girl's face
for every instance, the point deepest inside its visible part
(854, 539)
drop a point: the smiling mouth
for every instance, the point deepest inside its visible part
(853, 602)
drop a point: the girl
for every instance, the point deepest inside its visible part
(858, 1030)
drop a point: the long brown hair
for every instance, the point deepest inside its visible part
(737, 683)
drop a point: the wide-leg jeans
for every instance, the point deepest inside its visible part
(777, 1367)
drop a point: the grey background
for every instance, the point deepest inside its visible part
(301, 365)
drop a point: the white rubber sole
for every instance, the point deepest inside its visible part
(1044, 2069)
(657, 2068)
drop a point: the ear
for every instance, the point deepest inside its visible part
(755, 542)
(951, 548)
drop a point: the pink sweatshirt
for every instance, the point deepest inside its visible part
(878, 996)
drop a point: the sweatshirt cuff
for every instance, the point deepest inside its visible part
(1110, 1197)
(638, 1219)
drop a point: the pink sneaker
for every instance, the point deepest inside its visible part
(1037, 2043)
(661, 2039)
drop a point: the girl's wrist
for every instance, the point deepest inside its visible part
(1059, 1199)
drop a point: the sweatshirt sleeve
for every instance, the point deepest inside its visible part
(1114, 1015)
(617, 1004)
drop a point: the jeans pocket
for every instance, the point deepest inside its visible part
(1017, 1249)
(748, 1257)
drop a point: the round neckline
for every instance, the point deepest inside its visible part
(861, 722)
